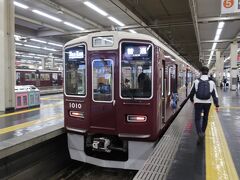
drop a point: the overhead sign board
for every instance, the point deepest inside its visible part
(230, 6)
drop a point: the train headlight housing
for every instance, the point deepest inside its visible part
(76, 114)
(136, 118)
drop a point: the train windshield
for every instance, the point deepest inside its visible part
(75, 71)
(136, 70)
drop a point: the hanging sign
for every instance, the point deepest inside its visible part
(230, 6)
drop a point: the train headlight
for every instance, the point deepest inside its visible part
(136, 118)
(76, 114)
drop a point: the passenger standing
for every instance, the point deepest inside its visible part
(200, 94)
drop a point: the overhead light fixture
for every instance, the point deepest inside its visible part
(216, 38)
(116, 21)
(19, 44)
(74, 26)
(27, 56)
(46, 15)
(221, 25)
(228, 58)
(54, 44)
(49, 49)
(27, 45)
(95, 8)
(37, 40)
(132, 31)
(20, 5)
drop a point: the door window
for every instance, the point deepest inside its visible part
(136, 70)
(102, 80)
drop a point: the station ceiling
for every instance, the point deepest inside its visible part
(179, 24)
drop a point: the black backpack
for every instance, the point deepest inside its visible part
(203, 91)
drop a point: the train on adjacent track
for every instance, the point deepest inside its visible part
(39, 78)
(117, 92)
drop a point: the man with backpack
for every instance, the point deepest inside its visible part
(202, 91)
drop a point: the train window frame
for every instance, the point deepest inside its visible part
(113, 85)
(64, 70)
(120, 67)
(169, 80)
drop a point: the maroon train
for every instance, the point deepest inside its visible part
(116, 96)
(39, 78)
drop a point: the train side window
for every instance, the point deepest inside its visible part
(102, 80)
(28, 76)
(45, 77)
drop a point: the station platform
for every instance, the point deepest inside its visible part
(28, 127)
(177, 155)
(50, 90)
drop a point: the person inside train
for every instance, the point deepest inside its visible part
(144, 83)
(127, 83)
(200, 94)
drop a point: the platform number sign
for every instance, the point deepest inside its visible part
(230, 6)
(228, 3)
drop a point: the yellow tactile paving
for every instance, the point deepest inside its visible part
(27, 124)
(219, 163)
(31, 110)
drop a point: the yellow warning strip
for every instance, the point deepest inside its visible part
(27, 124)
(219, 163)
(30, 110)
(230, 107)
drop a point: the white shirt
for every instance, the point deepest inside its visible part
(213, 90)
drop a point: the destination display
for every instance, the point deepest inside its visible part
(75, 53)
(136, 51)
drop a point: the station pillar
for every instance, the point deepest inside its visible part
(219, 68)
(234, 68)
(43, 62)
(7, 56)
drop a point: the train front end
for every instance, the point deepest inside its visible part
(110, 113)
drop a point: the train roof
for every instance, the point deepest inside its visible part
(121, 35)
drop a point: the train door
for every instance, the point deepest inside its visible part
(103, 102)
(164, 93)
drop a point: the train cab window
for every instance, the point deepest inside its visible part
(136, 70)
(75, 71)
(102, 79)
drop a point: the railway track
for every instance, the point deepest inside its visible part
(82, 171)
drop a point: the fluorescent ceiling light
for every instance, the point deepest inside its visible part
(132, 31)
(46, 15)
(74, 26)
(37, 47)
(54, 44)
(19, 44)
(217, 36)
(219, 31)
(220, 25)
(20, 5)
(95, 8)
(49, 49)
(27, 56)
(167, 56)
(116, 21)
(36, 40)
(228, 58)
